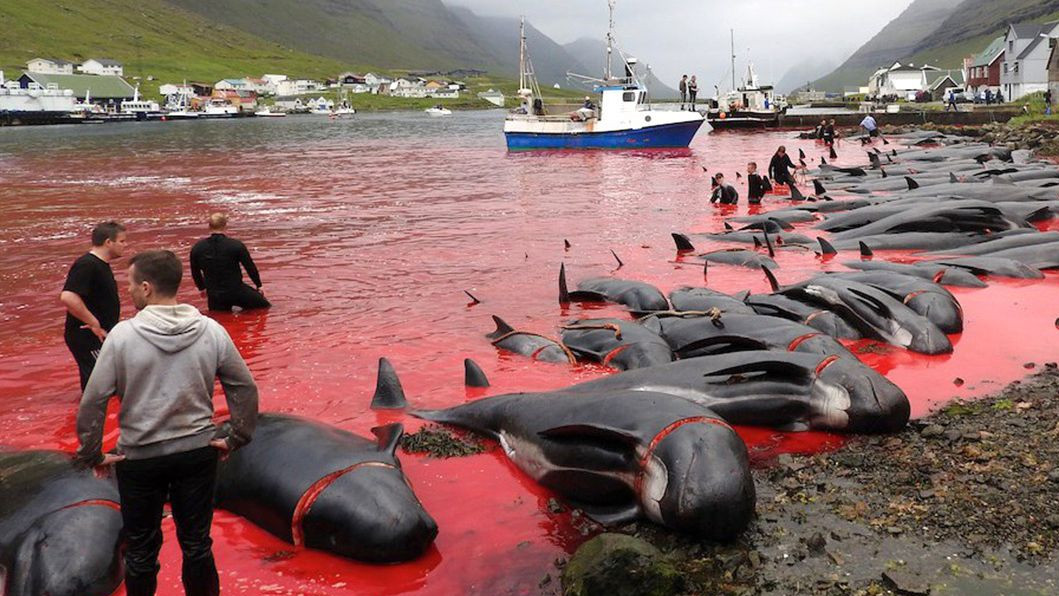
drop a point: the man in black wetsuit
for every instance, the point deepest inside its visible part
(215, 262)
(90, 296)
(724, 193)
(778, 167)
(755, 184)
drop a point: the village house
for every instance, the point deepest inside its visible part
(906, 81)
(411, 87)
(1025, 66)
(373, 80)
(244, 99)
(233, 85)
(49, 66)
(102, 67)
(290, 103)
(983, 72)
(939, 89)
(353, 83)
(297, 87)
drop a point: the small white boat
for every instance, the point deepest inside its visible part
(141, 109)
(439, 111)
(219, 108)
(182, 114)
(268, 113)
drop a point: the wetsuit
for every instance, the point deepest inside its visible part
(778, 169)
(726, 194)
(215, 262)
(756, 188)
(829, 135)
(92, 279)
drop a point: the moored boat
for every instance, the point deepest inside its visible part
(438, 111)
(751, 105)
(623, 119)
(268, 113)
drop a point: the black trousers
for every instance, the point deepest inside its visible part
(189, 480)
(242, 296)
(85, 346)
(691, 98)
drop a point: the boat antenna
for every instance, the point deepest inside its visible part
(610, 39)
(733, 58)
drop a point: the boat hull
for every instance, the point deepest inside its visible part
(663, 136)
(741, 120)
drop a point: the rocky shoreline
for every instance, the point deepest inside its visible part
(1041, 136)
(965, 501)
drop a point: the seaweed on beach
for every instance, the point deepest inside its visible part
(440, 442)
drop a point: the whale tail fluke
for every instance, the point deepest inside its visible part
(388, 437)
(473, 375)
(389, 395)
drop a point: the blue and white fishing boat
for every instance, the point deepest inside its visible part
(623, 118)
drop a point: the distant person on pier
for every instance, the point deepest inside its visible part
(952, 102)
(724, 193)
(755, 184)
(693, 91)
(90, 296)
(215, 267)
(780, 166)
(1048, 102)
(988, 96)
(999, 96)
(683, 91)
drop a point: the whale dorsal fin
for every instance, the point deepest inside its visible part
(564, 294)
(912, 184)
(819, 187)
(742, 296)
(388, 437)
(773, 282)
(952, 178)
(473, 375)
(683, 242)
(865, 251)
(502, 328)
(389, 395)
(826, 248)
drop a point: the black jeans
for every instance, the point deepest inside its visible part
(188, 479)
(85, 346)
(243, 296)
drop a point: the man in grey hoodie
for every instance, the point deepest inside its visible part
(162, 365)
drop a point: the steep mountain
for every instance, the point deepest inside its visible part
(499, 35)
(151, 37)
(803, 72)
(592, 53)
(897, 41)
(977, 18)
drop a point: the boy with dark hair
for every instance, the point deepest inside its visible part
(756, 184)
(724, 193)
(90, 296)
(162, 364)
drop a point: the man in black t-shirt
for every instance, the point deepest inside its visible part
(755, 184)
(215, 267)
(90, 296)
(724, 193)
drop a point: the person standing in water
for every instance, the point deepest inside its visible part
(162, 365)
(780, 166)
(755, 184)
(829, 133)
(90, 296)
(693, 91)
(724, 193)
(683, 91)
(215, 268)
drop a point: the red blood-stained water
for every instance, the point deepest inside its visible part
(367, 232)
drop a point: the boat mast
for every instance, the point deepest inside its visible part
(522, 54)
(733, 59)
(610, 40)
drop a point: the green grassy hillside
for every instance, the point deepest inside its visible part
(986, 18)
(151, 38)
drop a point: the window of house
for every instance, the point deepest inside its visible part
(628, 96)
(1016, 67)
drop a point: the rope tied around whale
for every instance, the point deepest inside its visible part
(308, 498)
(665, 432)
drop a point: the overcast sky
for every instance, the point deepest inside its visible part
(692, 36)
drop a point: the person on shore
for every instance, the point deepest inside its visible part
(90, 296)
(683, 88)
(952, 102)
(724, 193)
(780, 166)
(1048, 102)
(215, 262)
(988, 97)
(755, 184)
(162, 364)
(693, 91)
(999, 96)
(819, 132)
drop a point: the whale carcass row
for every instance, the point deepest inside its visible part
(60, 527)
(619, 344)
(927, 298)
(873, 311)
(704, 299)
(637, 296)
(623, 455)
(691, 336)
(785, 390)
(318, 486)
(778, 305)
(949, 276)
(529, 344)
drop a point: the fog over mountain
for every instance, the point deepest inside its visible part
(679, 36)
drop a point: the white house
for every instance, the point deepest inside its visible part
(171, 89)
(905, 80)
(1026, 52)
(102, 67)
(373, 80)
(297, 87)
(446, 93)
(234, 85)
(875, 81)
(48, 66)
(408, 87)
